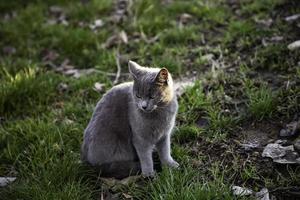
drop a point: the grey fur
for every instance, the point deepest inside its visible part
(129, 122)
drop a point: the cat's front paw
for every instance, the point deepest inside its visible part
(172, 164)
(148, 174)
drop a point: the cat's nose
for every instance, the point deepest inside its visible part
(144, 105)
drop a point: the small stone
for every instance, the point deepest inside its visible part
(295, 45)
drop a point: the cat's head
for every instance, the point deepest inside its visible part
(152, 88)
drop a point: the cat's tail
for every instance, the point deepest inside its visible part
(120, 169)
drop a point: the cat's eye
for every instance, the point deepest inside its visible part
(138, 96)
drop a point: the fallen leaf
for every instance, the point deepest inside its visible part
(115, 184)
(99, 87)
(185, 18)
(240, 191)
(62, 88)
(97, 24)
(292, 18)
(276, 38)
(268, 41)
(281, 154)
(68, 121)
(64, 22)
(116, 39)
(4, 181)
(265, 22)
(123, 37)
(294, 45)
(127, 196)
(263, 194)
(56, 9)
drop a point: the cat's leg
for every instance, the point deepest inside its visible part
(164, 152)
(144, 152)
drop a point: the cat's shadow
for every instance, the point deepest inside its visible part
(94, 173)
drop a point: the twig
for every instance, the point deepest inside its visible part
(109, 73)
(119, 68)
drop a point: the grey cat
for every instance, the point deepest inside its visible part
(130, 121)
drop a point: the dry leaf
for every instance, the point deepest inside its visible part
(56, 10)
(292, 18)
(265, 22)
(4, 181)
(294, 45)
(127, 196)
(62, 88)
(99, 87)
(123, 37)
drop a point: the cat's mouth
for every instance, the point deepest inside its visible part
(148, 110)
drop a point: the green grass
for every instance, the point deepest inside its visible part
(26, 92)
(262, 101)
(173, 185)
(41, 127)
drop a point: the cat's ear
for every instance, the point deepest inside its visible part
(134, 69)
(162, 77)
